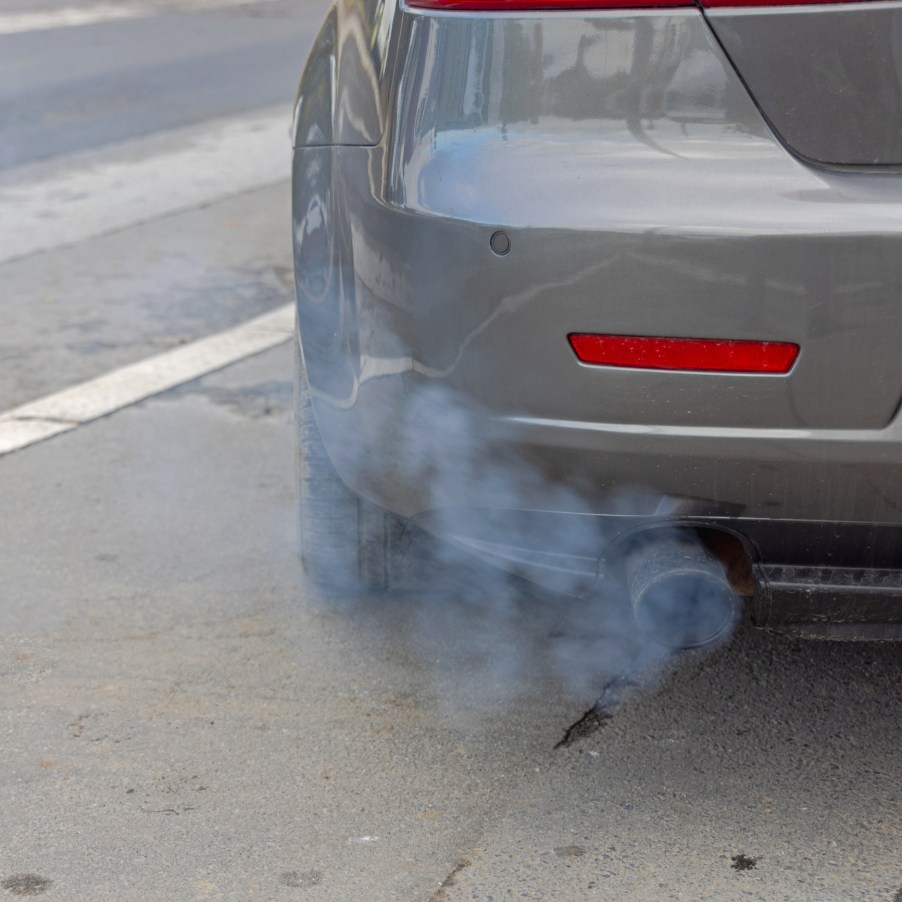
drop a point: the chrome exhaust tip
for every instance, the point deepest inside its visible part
(679, 591)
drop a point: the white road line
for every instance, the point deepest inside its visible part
(60, 202)
(68, 409)
(71, 16)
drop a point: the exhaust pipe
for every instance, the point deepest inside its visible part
(679, 592)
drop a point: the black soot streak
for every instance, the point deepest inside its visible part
(26, 884)
(599, 714)
(440, 895)
(591, 722)
(743, 863)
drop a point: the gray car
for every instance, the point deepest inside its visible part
(582, 286)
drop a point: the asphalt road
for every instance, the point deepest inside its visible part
(182, 718)
(68, 89)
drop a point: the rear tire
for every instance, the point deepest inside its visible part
(346, 542)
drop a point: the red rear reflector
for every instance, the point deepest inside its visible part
(501, 5)
(718, 355)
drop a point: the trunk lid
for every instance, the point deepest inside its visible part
(827, 77)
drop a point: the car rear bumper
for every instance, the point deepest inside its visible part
(444, 385)
(420, 341)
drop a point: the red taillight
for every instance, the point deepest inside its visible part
(720, 355)
(501, 5)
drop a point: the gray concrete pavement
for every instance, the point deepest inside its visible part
(76, 312)
(174, 261)
(67, 89)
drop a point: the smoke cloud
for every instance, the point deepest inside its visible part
(489, 633)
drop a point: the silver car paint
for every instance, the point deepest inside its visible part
(643, 193)
(343, 95)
